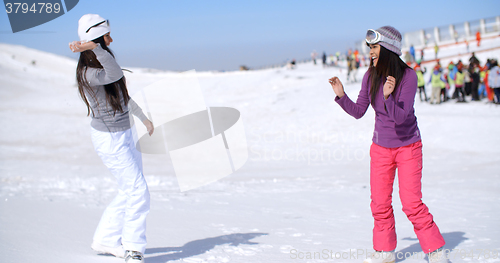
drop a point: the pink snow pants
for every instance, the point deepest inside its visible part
(408, 161)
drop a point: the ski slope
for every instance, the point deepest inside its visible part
(303, 195)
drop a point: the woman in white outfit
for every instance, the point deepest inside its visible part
(101, 84)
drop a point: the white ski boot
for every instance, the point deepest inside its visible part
(134, 257)
(381, 257)
(438, 256)
(115, 251)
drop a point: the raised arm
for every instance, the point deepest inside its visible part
(110, 72)
(358, 109)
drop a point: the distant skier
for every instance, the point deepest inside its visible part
(489, 91)
(421, 83)
(474, 74)
(450, 77)
(357, 59)
(467, 80)
(459, 93)
(473, 60)
(482, 82)
(408, 58)
(291, 64)
(436, 50)
(494, 79)
(350, 61)
(313, 56)
(390, 86)
(437, 82)
(412, 53)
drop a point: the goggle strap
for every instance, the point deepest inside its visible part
(96, 25)
(380, 38)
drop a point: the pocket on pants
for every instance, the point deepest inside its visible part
(416, 152)
(374, 151)
(102, 141)
(109, 146)
(416, 149)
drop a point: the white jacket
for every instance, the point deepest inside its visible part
(494, 77)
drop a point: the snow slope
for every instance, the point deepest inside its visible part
(303, 195)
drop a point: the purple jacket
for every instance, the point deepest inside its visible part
(395, 121)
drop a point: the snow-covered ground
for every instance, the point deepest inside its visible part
(303, 195)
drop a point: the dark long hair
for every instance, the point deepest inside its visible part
(389, 64)
(113, 90)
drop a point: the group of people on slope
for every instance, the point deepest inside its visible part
(460, 81)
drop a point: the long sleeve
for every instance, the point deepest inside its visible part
(110, 72)
(136, 110)
(358, 109)
(494, 77)
(400, 110)
(104, 117)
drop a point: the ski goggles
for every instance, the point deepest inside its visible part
(98, 24)
(373, 37)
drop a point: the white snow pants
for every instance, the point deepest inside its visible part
(124, 220)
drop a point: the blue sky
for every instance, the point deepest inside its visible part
(222, 35)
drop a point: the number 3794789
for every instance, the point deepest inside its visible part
(33, 8)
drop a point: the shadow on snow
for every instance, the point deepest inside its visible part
(452, 240)
(198, 247)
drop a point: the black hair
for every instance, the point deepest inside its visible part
(493, 63)
(389, 64)
(113, 90)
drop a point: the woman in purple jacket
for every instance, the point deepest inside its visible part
(390, 86)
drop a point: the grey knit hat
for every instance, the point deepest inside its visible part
(391, 33)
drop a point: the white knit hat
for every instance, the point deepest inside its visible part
(92, 26)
